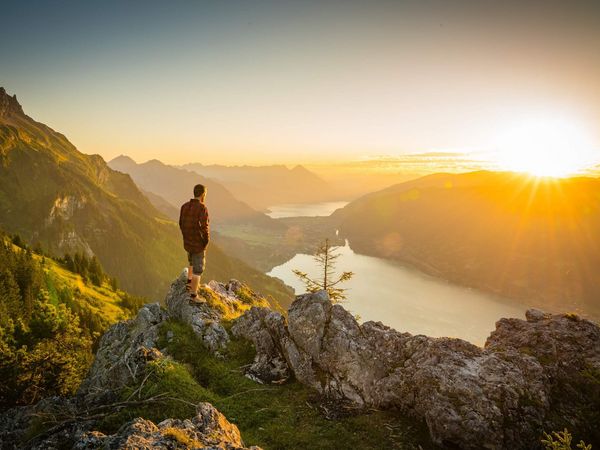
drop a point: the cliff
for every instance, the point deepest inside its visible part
(533, 375)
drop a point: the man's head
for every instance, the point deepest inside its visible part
(199, 191)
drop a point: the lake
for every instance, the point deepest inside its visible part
(407, 299)
(304, 209)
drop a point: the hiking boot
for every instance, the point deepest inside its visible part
(197, 300)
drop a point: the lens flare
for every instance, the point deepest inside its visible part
(545, 146)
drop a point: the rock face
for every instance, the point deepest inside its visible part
(533, 375)
(204, 320)
(127, 346)
(123, 353)
(208, 429)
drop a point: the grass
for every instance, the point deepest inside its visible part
(273, 417)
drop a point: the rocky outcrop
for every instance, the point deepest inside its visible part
(500, 396)
(204, 319)
(128, 346)
(9, 104)
(123, 353)
(209, 429)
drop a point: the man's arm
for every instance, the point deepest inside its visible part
(204, 225)
(181, 217)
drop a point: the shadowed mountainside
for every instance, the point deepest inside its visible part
(510, 234)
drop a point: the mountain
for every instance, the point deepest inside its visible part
(264, 186)
(175, 185)
(68, 201)
(514, 235)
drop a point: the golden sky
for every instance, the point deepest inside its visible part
(286, 82)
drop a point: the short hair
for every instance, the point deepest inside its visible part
(199, 189)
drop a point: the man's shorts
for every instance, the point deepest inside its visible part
(196, 260)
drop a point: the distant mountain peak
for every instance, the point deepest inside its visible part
(9, 104)
(122, 159)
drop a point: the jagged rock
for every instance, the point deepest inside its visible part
(123, 353)
(204, 319)
(262, 326)
(533, 315)
(208, 429)
(9, 104)
(501, 396)
(127, 346)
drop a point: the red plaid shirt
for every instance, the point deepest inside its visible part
(193, 223)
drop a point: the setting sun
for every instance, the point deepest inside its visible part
(545, 146)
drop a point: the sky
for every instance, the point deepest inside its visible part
(254, 82)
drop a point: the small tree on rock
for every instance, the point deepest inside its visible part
(326, 257)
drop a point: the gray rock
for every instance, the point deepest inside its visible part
(209, 429)
(204, 319)
(123, 353)
(534, 315)
(263, 326)
(496, 397)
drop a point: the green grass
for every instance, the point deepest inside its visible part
(273, 417)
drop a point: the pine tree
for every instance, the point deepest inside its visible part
(326, 257)
(69, 263)
(95, 271)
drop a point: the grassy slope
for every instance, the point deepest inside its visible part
(273, 417)
(101, 301)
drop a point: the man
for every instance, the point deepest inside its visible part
(193, 222)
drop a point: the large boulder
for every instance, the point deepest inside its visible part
(500, 396)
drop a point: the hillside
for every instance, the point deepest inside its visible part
(513, 235)
(264, 186)
(50, 321)
(68, 201)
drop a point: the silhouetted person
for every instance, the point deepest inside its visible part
(193, 222)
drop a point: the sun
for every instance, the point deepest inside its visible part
(545, 146)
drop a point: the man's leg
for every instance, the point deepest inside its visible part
(190, 272)
(197, 270)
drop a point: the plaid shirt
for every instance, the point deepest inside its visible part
(193, 223)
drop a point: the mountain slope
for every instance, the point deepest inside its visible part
(509, 234)
(54, 194)
(50, 321)
(264, 186)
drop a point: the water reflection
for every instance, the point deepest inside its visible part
(408, 300)
(304, 209)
